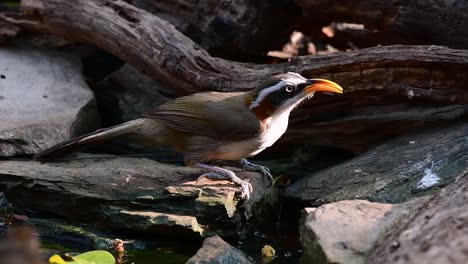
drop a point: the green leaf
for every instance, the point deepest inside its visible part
(95, 257)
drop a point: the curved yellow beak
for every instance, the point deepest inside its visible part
(322, 85)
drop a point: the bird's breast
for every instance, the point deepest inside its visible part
(236, 150)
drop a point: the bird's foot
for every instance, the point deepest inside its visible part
(218, 173)
(248, 166)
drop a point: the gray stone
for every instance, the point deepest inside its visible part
(217, 251)
(409, 166)
(346, 231)
(135, 195)
(436, 233)
(43, 99)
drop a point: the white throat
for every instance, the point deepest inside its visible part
(276, 125)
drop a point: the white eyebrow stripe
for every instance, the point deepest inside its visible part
(264, 93)
(294, 78)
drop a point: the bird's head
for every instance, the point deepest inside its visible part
(282, 93)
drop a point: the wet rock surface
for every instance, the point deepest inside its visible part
(217, 251)
(393, 172)
(134, 194)
(346, 231)
(80, 236)
(43, 99)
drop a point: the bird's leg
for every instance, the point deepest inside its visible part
(248, 166)
(218, 173)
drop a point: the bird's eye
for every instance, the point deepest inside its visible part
(289, 88)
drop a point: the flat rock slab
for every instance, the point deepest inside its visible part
(406, 167)
(134, 194)
(346, 231)
(43, 99)
(217, 251)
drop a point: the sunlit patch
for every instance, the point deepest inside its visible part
(429, 179)
(331, 29)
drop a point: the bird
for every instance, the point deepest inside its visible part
(210, 126)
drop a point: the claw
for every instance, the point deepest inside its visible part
(218, 173)
(248, 166)
(246, 190)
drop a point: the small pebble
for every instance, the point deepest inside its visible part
(268, 252)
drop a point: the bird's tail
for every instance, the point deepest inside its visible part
(93, 137)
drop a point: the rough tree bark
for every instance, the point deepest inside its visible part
(440, 22)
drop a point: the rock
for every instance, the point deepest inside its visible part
(402, 168)
(435, 233)
(346, 231)
(217, 251)
(126, 94)
(135, 195)
(43, 99)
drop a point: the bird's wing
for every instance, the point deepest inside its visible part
(200, 114)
